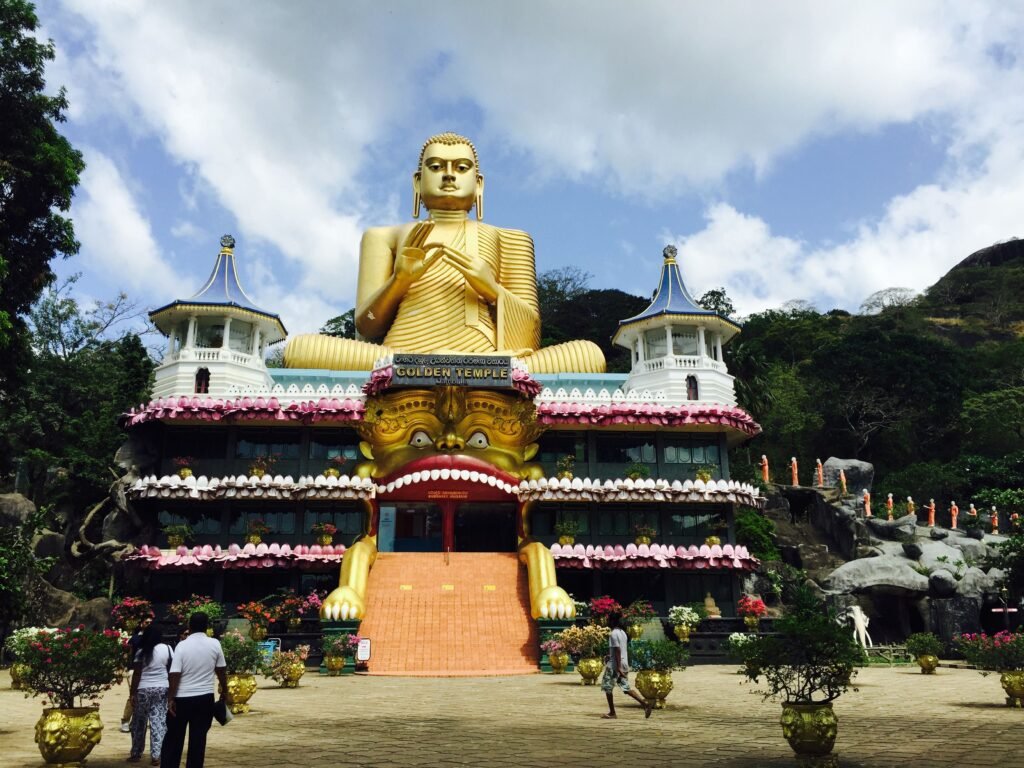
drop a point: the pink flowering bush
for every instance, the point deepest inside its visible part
(68, 665)
(551, 646)
(1001, 651)
(131, 610)
(601, 607)
(341, 645)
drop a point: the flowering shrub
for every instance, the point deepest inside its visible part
(567, 527)
(1002, 651)
(584, 642)
(582, 608)
(551, 646)
(601, 607)
(660, 655)
(263, 463)
(683, 615)
(131, 609)
(66, 665)
(341, 645)
(17, 642)
(257, 614)
(564, 465)
(281, 661)
(734, 643)
(638, 612)
(642, 529)
(750, 606)
(324, 529)
(257, 527)
(312, 603)
(242, 655)
(183, 462)
(182, 609)
(923, 644)
(183, 530)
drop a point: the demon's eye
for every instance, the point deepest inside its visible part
(420, 439)
(478, 440)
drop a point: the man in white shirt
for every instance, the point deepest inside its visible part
(198, 660)
(616, 668)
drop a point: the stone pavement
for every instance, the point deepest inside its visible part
(898, 718)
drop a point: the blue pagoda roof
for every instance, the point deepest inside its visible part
(222, 289)
(672, 298)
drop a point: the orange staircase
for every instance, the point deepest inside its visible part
(469, 616)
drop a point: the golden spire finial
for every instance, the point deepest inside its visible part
(670, 253)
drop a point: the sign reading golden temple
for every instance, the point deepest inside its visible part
(455, 370)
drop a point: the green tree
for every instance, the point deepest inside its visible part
(38, 173)
(717, 300)
(18, 564)
(342, 326)
(993, 422)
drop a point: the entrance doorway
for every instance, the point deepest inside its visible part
(487, 527)
(418, 528)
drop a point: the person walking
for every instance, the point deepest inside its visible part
(198, 662)
(149, 694)
(616, 668)
(133, 646)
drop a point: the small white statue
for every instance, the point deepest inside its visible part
(856, 616)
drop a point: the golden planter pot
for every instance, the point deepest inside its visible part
(655, 686)
(928, 663)
(254, 538)
(642, 540)
(68, 735)
(559, 662)
(590, 669)
(334, 665)
(257, 472)
(1013, 683)
(712, 541)
(241, 687)
(175, 541)
(566, 541)
(18, 672)
(811, 731)
(751, 623)
(257, 633)
(184, 472)
(332, 472)
(294, 624)
(292, 674)
(635, 631)
(325, 539)
(682, 632)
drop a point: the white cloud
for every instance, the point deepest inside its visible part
(116, 236)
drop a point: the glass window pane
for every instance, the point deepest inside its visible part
(698, 454)
(622, 526)
(711, 454)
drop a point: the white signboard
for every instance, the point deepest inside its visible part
(363, 650)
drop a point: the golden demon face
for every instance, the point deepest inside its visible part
(448, 428)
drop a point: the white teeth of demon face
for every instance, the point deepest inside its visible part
(440, 475)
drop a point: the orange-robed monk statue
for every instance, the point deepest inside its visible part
(445, 285)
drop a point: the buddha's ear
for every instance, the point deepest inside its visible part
(479, 196)
(530, 451)
(416, 195)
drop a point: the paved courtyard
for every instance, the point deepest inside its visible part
(898, 718)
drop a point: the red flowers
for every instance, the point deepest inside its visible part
(750, 606)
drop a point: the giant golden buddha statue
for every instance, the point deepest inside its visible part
(445, 285)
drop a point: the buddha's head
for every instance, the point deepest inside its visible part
(448, 428)
(448, 177)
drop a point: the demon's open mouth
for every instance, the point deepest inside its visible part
(441, 468)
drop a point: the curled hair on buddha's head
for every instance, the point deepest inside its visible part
(448, 139)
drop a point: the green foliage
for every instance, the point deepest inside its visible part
(67, 665)
(659, 655)
(757, 533)
(993, 422)
(999, 652)
(1010, 558)
(18, 565)
(184, 530)
(923, 644)
(567, 527)
(242, 654)
(809, 660)
(637, 470)
(342, 326)
(38, 174)
(717, 300)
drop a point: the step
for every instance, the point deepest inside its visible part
(467, 616)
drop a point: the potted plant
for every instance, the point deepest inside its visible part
(130, 612)
(70, 667)
(635, 615)
(925, 647)
(637, 470)
(244, 659)
(558, 657)
(809, 661)
(587, 645)
(705, 473)
(184, 465)
(566, 530)
(259, 617)
(290, 610)
(751, 609)
(288, 667)
(564, 466)
(601, 607)
(324, 533)
(177, 534)
(644, 533)
(336, 465)
(261, 465)
(684, 619)
(735, 642)
(338, 648)
(257, 529)
(1002, 652)
(654, 661)
(16, 645)
(182, 609)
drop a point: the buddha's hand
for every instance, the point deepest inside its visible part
(554, 603)
(416, 255)
(343, 604)
(478, 273)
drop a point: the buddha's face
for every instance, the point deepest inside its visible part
(448, 178)
(410, 430)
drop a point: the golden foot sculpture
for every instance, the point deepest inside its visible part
(547, 599)
(348, 601)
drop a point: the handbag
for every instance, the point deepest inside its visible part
(221, 713)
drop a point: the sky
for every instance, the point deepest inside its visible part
(813, 151)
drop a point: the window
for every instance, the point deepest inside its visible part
(282, 445)
(202, 381)
(349, 522)
(241, 336)
(210, 333)
(623, 449)
(655, 344)
(555, 445)
(684, 341)
(692, 392)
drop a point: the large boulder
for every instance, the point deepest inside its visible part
(15, 509)
(902, 529)
(955, 615)
(889, 574)
(942, 584)
(58, 608)
(859, 474)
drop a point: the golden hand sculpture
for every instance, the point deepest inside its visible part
(445, 285)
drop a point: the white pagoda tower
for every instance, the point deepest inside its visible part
(217, 338)
(676, 345)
